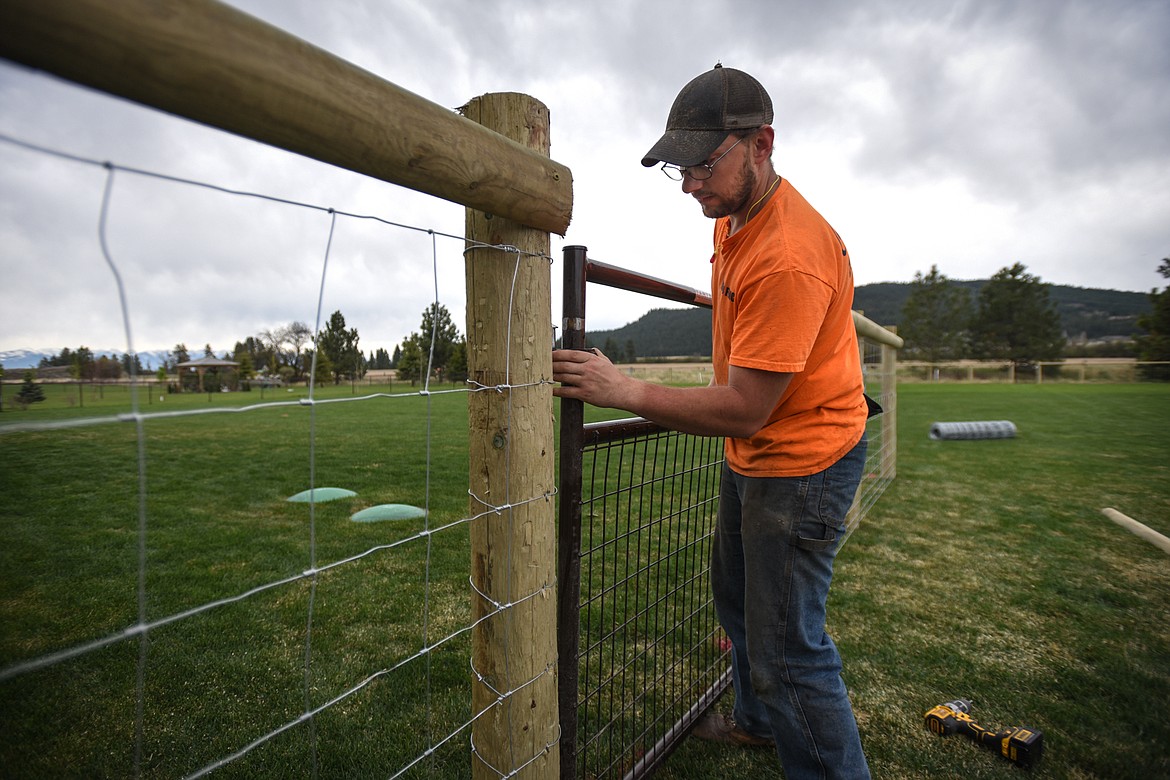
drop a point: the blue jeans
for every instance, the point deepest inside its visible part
(771, 565)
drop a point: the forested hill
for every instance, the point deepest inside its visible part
(658, 333)
(687, 332)
(1083, 311)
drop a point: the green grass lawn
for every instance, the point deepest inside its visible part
(986, 572)
(217, 526)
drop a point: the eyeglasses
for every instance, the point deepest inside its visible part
(699, 172)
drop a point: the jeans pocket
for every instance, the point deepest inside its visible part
(816, 536)
(819, 526)
(827, 501)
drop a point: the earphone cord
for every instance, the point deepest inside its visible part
(767, 192)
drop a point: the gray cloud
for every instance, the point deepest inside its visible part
(964, 134)
(1021, 97)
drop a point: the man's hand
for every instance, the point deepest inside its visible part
(739, 408)
(588, 375)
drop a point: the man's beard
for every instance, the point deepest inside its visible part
(744, 185)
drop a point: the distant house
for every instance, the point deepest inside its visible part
(202, 366)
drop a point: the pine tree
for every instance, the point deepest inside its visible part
(437, 319)
(434, 347)
(935, 318)
(411, 362)
(1016, 319)
(457, 364)
(324, 370)
(1155, 347)
(341, 347)
(245, 370)
(30, 392)
(180, 354)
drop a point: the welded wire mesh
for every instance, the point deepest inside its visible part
(879, 365)
(650, 645)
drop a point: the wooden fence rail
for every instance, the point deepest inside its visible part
(209, 62)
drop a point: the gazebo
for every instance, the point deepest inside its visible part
(201, 366)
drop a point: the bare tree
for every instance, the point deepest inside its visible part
(287, 345)
(296, 335)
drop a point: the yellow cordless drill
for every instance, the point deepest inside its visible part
(1022, 746)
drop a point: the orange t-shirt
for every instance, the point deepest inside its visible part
(782, 292)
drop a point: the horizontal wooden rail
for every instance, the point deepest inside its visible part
(869, 329)
(206, 61)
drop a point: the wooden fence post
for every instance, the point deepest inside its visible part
(889, 423)
(513, 550)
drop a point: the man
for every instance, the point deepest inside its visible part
(787, 393)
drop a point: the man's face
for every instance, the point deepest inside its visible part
(731, 183)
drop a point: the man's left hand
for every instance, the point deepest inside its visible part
(587, 375)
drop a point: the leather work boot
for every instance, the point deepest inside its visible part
(717, 727)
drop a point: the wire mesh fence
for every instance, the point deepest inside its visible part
(172, 609)
(880, 367)
(650, 645)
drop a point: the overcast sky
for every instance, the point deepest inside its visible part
(967, 135)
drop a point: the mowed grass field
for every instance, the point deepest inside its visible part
(218, 526)
(986, 572)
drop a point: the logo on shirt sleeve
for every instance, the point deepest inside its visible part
(844, 251)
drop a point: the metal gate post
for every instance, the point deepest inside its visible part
(569, 535)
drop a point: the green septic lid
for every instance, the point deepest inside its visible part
(322, 494)
(388, 512)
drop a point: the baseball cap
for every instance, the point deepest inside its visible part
(713, 104)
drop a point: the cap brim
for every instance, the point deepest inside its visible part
(684, 147)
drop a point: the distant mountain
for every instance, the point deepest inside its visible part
(1087, 312)
(31, 358)
(660, 333)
